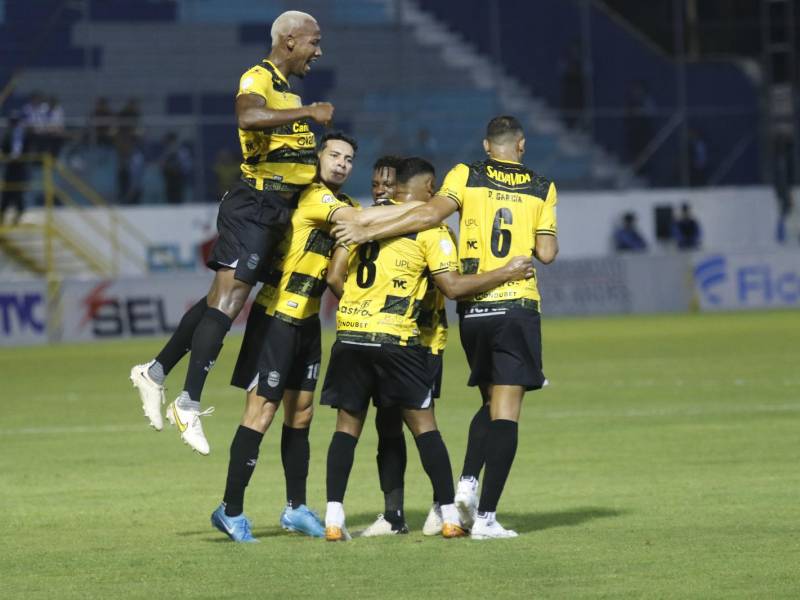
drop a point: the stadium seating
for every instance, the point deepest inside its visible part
(181, 59)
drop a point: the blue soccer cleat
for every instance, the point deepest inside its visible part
(236, 528)
(302, 520)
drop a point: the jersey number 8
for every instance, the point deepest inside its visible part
(367, 255)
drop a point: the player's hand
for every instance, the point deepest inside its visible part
(350, 232)
(321, 112)
(519, 267)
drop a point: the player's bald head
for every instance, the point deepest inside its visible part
(290, 22)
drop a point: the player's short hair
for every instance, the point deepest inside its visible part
(387, 161)
(338, 135)
(286, 23)
(503, 126)
(413, 166)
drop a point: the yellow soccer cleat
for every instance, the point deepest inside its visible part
(451, 530)
(334, 533)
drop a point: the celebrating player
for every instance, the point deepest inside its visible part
(279, 160)
(280, 354)
(505, 208)
(377, 353)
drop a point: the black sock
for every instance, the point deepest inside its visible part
(181, 341)
(392, 460)
(436, 462)
(206, 344)
(295, 453)
(340, 461)
(501, 446)
(244, 453)
(475, 455)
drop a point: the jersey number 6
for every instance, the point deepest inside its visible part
(501, 238)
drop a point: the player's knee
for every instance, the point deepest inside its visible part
(300, 418)
(258, 415)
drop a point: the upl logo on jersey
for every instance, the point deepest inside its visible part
(768, 280)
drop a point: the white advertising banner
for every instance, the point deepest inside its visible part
(23, 313)
(130, 307)
(747, 281)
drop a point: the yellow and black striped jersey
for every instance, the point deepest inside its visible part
(386, 282)
(296, 281)
(432, 320)
(284, 158)
(503, 206)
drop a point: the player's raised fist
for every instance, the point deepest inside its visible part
(321, 112)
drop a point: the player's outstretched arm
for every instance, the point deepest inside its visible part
(337, 269)
(253, 114)
(373, 214)
(420, 218)
(455, 286)
(546, 248)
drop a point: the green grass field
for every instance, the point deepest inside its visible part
(664, 461)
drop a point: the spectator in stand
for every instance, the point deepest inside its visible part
(55, 127)
(686, 230)
(102, 121)
(34, 116)
(130, 159)
(627, 237)
(176, 166)
(572, 92)
(15, 176)
(128, 118)
(698, 159)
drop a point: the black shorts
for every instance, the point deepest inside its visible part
(503, 348)
(251, 223)
(391, 375)
(277, 356)
(435, 362)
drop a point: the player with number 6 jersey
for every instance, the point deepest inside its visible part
(505, 208)
(378, 354)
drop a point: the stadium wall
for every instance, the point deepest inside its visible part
(731, 219)
(152, 305)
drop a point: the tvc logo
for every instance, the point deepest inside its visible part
(750, 283)
(20, 313)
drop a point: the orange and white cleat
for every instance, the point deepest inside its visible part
(453, 530)
(333, 533)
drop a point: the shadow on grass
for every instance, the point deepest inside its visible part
(526, 522)
(521, 522)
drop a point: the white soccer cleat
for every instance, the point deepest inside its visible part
(382, 527)
(467, 501)
(489, 529)
(150, 393)
(433, 522)
(188, 423)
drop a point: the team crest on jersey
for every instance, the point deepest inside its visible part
(247, 82)
(252, 261)
(328, 199)
(446, 246)
(273, 379)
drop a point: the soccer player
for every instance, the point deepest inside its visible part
(377, 353)
(279, 161)
(505, 208)
(432, 322)
(280, 355)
